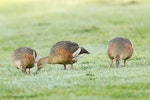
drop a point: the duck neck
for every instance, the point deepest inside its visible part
(50, 60)
(45, 60)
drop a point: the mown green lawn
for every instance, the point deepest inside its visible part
(39, 24)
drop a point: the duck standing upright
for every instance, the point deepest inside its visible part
(23, 58)
(63, 52)
(119, 48)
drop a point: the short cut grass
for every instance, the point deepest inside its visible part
(92, 24)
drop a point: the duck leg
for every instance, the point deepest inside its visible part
(117, 63)
(111, 62)
(64, 66)
(124, 62)
(29, 71)
(72, 67)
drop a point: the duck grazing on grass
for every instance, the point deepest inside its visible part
(119, 48)
(63, 52)
(23, 58)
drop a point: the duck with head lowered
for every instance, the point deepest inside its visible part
(119, 48)
(63, 52)
(23, 58)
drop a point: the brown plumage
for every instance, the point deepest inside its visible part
(23, 58)
(119, 48)
(63, 52)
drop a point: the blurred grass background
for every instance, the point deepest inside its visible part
(91, 23)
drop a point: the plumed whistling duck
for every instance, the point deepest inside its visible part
(23, 58)
(63, 52)
(119, 48)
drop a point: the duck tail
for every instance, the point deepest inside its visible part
(77, 52)
(80, 52)
(84, 51)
